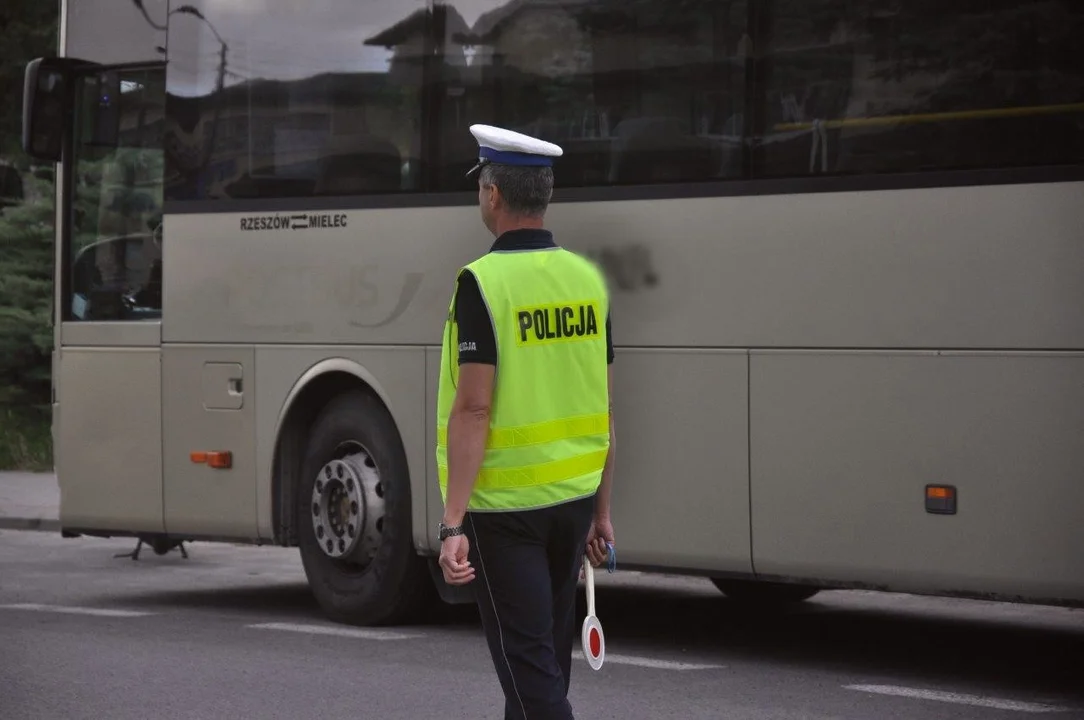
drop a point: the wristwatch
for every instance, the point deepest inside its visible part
(447, 532)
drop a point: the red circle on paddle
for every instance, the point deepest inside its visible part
(596, 642)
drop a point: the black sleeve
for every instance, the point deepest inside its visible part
(476, 341)
(609, 342)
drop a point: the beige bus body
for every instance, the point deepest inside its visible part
(803, 368)
(792, 372)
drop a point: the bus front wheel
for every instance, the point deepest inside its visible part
(353, 516)
(754, 592)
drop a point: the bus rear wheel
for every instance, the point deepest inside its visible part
(754, 592)
(353, 516)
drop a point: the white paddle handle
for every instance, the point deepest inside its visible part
(589, 579)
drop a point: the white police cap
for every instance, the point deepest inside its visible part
(498, 146)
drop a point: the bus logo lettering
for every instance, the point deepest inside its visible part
(317, 221)
(265, 222)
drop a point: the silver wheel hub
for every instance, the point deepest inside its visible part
(348, 508)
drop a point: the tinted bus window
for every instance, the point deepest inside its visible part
(114, 257)
(292, 100)
(870, 86)
(634, 92)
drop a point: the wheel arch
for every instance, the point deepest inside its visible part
(317, 386)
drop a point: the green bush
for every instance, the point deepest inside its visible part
(26, 298)
(28, 29)
(26, 442)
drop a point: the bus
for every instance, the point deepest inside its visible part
(845, 245)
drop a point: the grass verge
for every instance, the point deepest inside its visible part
(26, 441)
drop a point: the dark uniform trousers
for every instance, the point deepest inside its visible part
(527, 566)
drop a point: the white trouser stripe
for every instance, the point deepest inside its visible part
(500, 632)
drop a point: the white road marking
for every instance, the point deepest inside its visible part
(357, 633)
(101, 612)
(958, 698)
(651, 662)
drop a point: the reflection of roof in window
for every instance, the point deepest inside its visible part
(415, 25)
(492, 23)
(345, 88)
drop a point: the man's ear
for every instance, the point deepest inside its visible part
(495, 199)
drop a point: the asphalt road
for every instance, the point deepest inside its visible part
(233, 633)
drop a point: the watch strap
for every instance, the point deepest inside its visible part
(447, 532)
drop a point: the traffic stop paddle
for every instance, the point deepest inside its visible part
(592, 639)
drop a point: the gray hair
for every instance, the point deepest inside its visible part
(526, 190)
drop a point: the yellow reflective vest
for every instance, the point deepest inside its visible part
(549, 429)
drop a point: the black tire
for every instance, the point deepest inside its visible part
(753, 592)
(394, 585)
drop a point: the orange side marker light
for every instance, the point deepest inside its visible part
(217, 459)
(941, 499)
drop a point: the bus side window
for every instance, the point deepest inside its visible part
(294, 100)
(115, 258)
(854, 88)
(634, 93)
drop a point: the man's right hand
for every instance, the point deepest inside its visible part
(601, 532)
(453, 560)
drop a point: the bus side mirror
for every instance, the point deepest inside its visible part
(48, 102)
(46, 98)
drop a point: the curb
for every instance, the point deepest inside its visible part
(18, 523)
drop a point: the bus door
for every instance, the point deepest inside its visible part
(107, 405)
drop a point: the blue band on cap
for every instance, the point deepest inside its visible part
(501, 157)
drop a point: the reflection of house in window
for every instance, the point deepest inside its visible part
(540, 37)
(535, 60)
(631, 91)
(426, 44)
(424, 33)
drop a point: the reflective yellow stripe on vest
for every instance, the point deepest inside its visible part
(524, 476)
(539, 433)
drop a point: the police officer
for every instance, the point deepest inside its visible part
(524, 428)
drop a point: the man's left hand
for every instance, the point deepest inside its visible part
(601, 533)
(453, 560)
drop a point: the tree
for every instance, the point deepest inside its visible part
(28, 29)
(26, 295)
